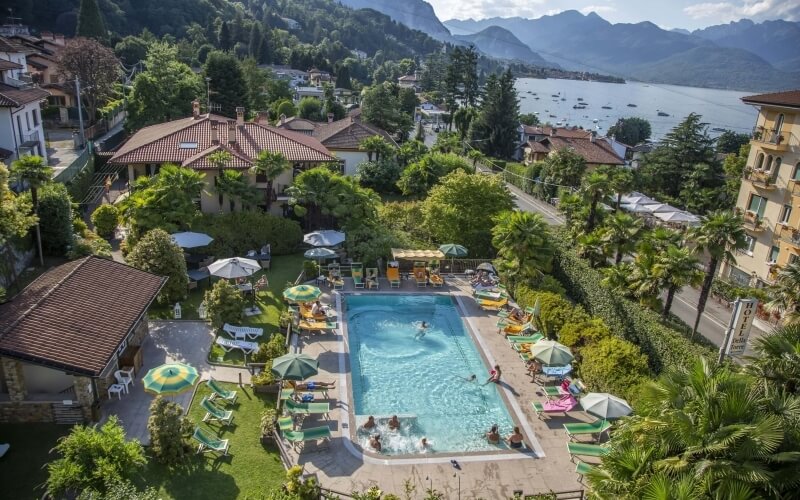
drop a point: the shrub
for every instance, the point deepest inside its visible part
(90, 245)
(300, 489)
(274, 348)
(120, 490)
(79, 227)
(235, 233)
(157, 253)
(613, 365)
(105, 219)
(224, 304)
(419, 177)
(583, 333)
(549, 284)
(311, 269)
(168, 426)
(55, 219)
(382, 175)
(268, 417)
(91, 457)
(554, 310)
(264, 377)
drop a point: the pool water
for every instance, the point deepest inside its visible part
(421, 379)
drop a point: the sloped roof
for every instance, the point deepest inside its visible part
(6, 65)
(560, 131)
(161, 143)
(12, 97)
(298, 124)
(789, 98)
(75, 316)
(348, 133)
(594, 152)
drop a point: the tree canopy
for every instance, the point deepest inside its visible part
(494, 130)
(630, 131)
(227, 83)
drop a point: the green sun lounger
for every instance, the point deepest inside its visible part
(358, 277)
(586, 449)
(219, 391)
(582, 428)
(285, 424)
(311, 434)
(583, 468)
(209, 443)
(307, 408)
(214, 413)
(524, 339)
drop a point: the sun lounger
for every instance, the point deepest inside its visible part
(316, 326)
(515, 329)
(523, 339)
(581, 429)
(316, 390)
(209, 443)
(493, 305)
(214, 413)
(311, 434)
(358, 277)
(242, 332)
(285, 424)
(436, 280)
(307, 408)
(586, 450)
(582, 469)
(421, 277)
(372, 278)
(245, 347)
(305, 313)
(488, 294)
(393, 275)
(219, 392)
(563, 405)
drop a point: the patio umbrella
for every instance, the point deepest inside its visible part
(452, 250)
(302, 293)
(636, 197)
(638, 208)
(294, 366)
(486, 266)
(324, 238)
(605, 406)
(551, 353)
(171, 378)
(319, 253)
(660, 208)
(235, 267)
(188, 239)
(678, 216)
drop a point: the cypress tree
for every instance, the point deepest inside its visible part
(225, 42)
(264, 53)
(90, 21)
(254, 47)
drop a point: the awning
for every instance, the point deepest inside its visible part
(403, 253)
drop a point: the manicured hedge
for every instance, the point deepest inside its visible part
(664, 346)
(235, 233)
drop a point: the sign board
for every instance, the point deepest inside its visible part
(743, 315)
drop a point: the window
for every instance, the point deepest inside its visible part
(35, 114)
(773, 253)
(776, 166)
(792, 258)
(188, 145)
(27, 121)
(759, 161)
(749, 244)
(768, 165)
(779, 123)
(787, 212)
(19, 128)
(757, 205)
(796, 173)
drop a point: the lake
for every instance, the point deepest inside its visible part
(719, 108)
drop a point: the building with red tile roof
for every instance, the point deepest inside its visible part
(595, 151)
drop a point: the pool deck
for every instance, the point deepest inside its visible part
(342, 467)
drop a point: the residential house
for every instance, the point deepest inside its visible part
(318, 77)
(42, 58)
(315, 92)
(770, 192)
(595, 151)
(408, 82)
(21, 130)
(291, 23)
(297, 124)
(295, 77)
(65, 335)
(188, 142)
(359, 54)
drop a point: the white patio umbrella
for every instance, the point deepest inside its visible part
(661, 208)
(188, 239)
(551, 353)
(320, 254)
(636, 198)
(324, 238)
(235, 267)
(637, 208)
(605, 406)
(678, 216)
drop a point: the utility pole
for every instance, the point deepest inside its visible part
(80, 112)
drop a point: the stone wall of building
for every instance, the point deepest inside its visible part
(84, 396)
(26, 412)
(15, 379)
(139, 332)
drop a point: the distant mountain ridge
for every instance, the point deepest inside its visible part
(500, 43)
(416, 14)
(777, 42)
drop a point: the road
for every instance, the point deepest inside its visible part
(716, 316)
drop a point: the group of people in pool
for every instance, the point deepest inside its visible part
(394, 425)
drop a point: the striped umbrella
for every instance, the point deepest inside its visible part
(171, 378)
(302, 293)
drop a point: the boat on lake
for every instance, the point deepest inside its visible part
(631, 105)
(718, 129)
(661, 113)
(606, 107)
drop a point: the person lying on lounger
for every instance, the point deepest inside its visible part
(314, 384)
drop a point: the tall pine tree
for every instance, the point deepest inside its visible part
(494, 131)
(90, 21)
(254, 47)
(225, 42)
(227, 82)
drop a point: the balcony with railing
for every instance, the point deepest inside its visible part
(789, 235)
(30, 139)
(772, 139)
(753, 222)
(760, 178)
(23, 82)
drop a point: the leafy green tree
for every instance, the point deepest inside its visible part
(55, 216)
(164, 91)
(410, 152)
(227, 82)
(106, 219)
(168, 428)
(343, 77)
(158, 254)
(32, 172)
(90, 21)
(563, 167)
(255, 80)
(329, 199)
(594, 187)
(677, 268)
(523, 246)
(224, 37)
(418, 178)
(620, 235)
(16, 212)
(285, 108)
(90, 457)
(165, 200)
(270, 165)
(446, 142)
(734, 166)
(730, 142)
(785, 293)
(529, 119)
(382, 176)
(376, 145)
(776, 365)
(494, 130)
(310, 108)
(462, 118)
(131, 50)
(97, 68)
(613, 365)
(460, 209)
(380, 107)
(719, 236)
(630, 131)
(224, 304)
(235, 185)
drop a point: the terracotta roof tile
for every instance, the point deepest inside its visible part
(6, 65)
(560, 131)
(297, 124)
(597, 152)
(12, 97)
(348, 133)
(75, 316)
(789, 98)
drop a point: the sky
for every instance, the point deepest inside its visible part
(668, 14)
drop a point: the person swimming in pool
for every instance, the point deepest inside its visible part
(470, 379)
(375, 442)
(421, 330)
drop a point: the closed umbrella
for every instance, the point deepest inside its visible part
(605, 406)
(324, 238)
(188, 239)
(171, 378)
(295, 366)
(551, 353)
(452, 250)
(235, 267)
(302, 293)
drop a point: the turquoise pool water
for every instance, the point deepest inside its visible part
(422, 379)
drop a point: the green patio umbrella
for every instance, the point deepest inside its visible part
(302, 293)
(171, 378)
(452, 250)
(551, 353)
(294, 366)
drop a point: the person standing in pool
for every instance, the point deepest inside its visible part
(394, 423)
(375, 442)
(514, 440)
(421, 329)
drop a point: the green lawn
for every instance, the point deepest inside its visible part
(249, 471)
(21, 471)
(284, 268)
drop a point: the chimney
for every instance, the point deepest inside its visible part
(240, 116)
(552, 132)
(231, 132)
(263, 117)
(330, 117)
(283, 119)
(59, 39)
(214, 137)
(592, 136)
(195, 109)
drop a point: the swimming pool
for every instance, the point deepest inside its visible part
(422, 379)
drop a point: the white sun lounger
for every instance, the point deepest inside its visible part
(242, 332)
(245, 347)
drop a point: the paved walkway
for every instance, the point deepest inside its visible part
(342, 467)
(169, 341)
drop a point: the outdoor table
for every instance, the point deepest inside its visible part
(321, 280)
(245, 288)
(469, 272)
(558, 372)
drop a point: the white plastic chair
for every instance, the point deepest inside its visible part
(123, 378)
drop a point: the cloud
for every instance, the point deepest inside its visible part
(481, 9)
(599, 9)
(757, 10)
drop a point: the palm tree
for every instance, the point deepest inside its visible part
(719, 235)
(270, 165)
(592, 247)
(522, 243)
(376, 145)
(676, 268)
(476, 156)
(235, 186)
(785, 293)
(33, 172)
(658, 240)
(594, 187)
(617, 278)
(620, 182)
(643, 281)
(622, 232)
(220, 159)
(777, 362)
